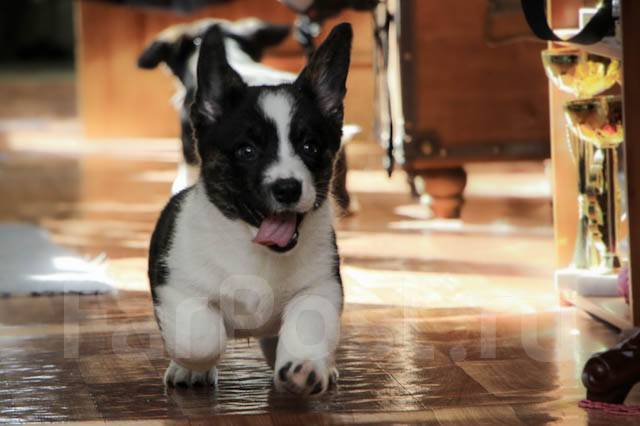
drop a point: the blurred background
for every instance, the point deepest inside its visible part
(87, 137)
(450, 151)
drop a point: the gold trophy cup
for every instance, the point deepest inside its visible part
(597, 122)
(585, 75)
(580, 73)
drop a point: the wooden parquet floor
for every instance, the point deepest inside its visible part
(100, 358)
(446, 322)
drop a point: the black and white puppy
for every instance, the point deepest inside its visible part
(250, 249)
(178, 48)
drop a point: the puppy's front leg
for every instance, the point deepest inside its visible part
(194, 336)
(308, 340)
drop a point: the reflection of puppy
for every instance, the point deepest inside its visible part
(178, 47)
(249, 250)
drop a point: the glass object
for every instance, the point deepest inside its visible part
(580, 73)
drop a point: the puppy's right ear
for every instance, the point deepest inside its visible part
(325, 76)
(218, 84)
(154, 54)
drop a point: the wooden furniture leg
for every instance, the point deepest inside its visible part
(610, 375)
(445, 187)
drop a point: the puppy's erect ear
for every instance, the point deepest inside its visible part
(325, 76)
(218, 83)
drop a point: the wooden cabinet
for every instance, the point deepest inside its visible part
(471, 90)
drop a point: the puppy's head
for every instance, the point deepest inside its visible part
(177, 46)
(267, 152)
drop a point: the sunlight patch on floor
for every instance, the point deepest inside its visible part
(457, 226)
(448, 290)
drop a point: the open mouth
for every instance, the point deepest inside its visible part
(279, 231)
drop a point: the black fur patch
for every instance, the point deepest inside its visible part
(336, 268)
(317, 389)
(256, 43)
(234, 185)
(311, 378)
(186, 131)
(283, 371)
(161, 241)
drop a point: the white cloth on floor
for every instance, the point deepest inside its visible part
(31, 264)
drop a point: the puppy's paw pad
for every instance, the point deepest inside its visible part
(304, 378)
(178, 376)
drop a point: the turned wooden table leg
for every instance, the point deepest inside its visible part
(445, 187)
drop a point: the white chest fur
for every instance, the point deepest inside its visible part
(213, 257)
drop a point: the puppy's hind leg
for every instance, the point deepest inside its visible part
(194, 335)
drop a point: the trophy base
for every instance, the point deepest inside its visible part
(587, 283)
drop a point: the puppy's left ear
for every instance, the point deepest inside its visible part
(218, 84)
(154, 54)
(325, 76)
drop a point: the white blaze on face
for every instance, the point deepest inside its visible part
(278, 107)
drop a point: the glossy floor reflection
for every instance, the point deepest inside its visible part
(447, 322)
(445, 366)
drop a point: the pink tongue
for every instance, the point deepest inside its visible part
(277, 230)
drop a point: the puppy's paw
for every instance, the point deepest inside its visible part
(177, 375)
(305, 377)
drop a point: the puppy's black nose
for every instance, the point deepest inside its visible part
(287, 191)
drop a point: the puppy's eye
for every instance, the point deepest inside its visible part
(246, 152)
(310, 148)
